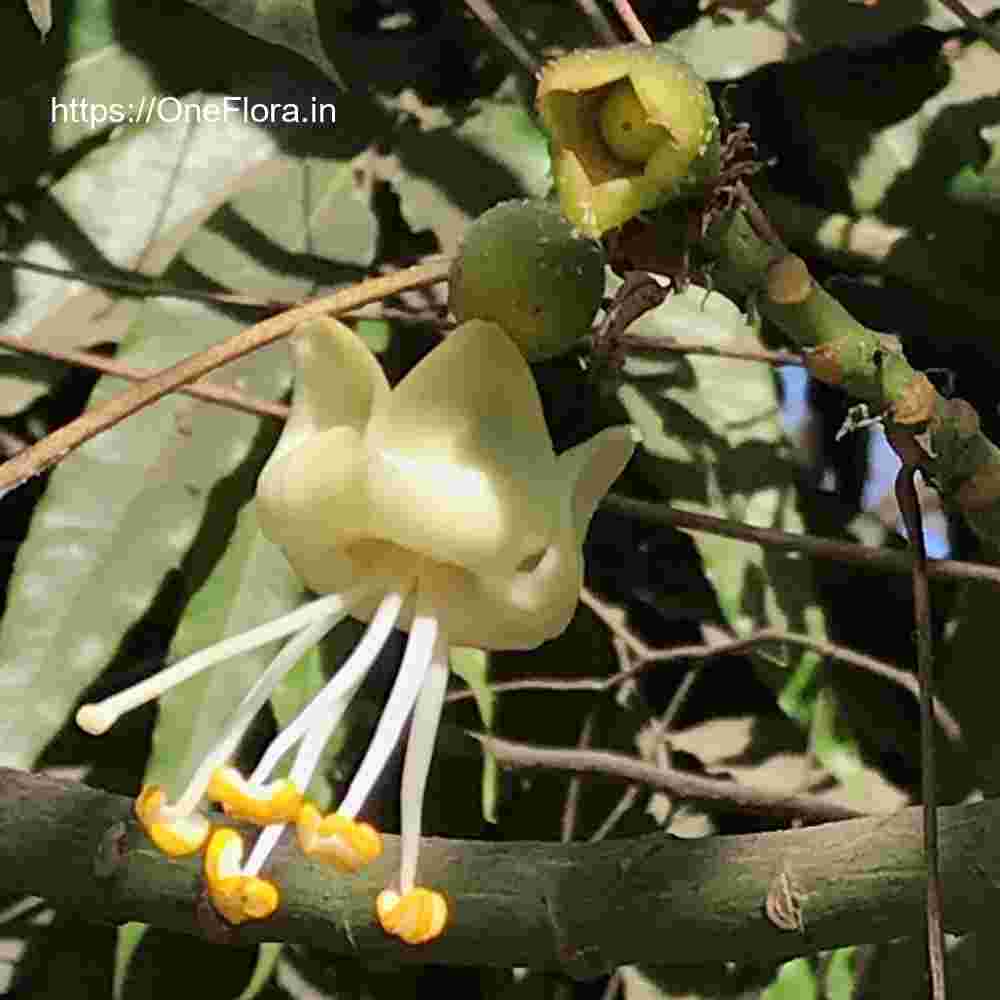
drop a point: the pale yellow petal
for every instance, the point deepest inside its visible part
(338, 385)
(463, 469)
(592, 467)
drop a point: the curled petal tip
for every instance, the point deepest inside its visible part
(236, 896)
(342, 842)
(175, 837)
(278, 802)
(416, 917)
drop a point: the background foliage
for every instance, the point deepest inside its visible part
(883, 123)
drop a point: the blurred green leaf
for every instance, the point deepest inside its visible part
(713, 443)
(118, 515)
(293, 24)
(448, 175)
(122, 511)
(267, 958)
(796, 980)
(980, 186)
(472, 665)
(734, 44)
(130, 936)
(841, 980)
(251, 584)
(143, 187)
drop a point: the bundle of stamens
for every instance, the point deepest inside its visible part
(438, 507)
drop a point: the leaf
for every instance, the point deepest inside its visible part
(448, 175)
(796, 980)
(294, 24)
(118, 515)
(733, 46)
(156, 178)
(251, 584)
(713, 443)
(472, 665)
(841, 978)
(929, 115)
(980, 186)
(267, 958)
(130, 936)
(123, 510)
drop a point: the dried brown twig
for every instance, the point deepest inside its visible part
(634, 25)
(60, 443)
(711, 792)
(863, 556)
(648, 657)
(909, 505)
(219, 394)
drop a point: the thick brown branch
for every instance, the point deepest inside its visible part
(585, 908)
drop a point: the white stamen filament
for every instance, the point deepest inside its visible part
(416, 660)
(417, 764)
(340, 687)
(99, 717)
(266, 842)
(251, 704)
(314, 726)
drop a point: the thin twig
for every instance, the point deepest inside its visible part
(572, 806)
(636, 341)
(864, 556)
(621, 807)
(142, 286)
(601, 25)
(60, 443)
(219, 394)
(708, 792)
(649, 656)
(634, 25)
(11, 444)
(494, 24)
(982, 28)
(909, 505)
(703, 653)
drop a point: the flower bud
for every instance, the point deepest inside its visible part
(525, 268)
(632, 127)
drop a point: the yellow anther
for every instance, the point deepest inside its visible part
(278, 802)
(341, 841)
(176, 837)
(417, 916)
(236, 896)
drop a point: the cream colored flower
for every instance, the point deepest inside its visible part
(439, 507)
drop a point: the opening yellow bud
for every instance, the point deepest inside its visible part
(626, 127)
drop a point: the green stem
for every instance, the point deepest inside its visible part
(963, 463)
(581, 908)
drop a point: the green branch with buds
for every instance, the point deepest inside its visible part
(636, 143)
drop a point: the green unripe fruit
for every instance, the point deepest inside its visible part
(625, 125)
(525, 268)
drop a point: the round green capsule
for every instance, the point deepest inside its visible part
(524, 267)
